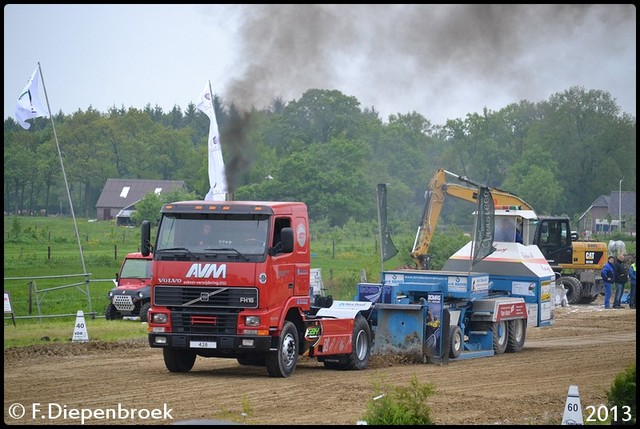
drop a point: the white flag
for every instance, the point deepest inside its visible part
(217, 176)
(29, 105)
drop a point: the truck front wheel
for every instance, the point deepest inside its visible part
(282, 362)
(252, 359)
(178, 360)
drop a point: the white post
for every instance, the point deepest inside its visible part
(620, 207)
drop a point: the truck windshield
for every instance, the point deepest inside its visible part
(136, 269)
(243, 234)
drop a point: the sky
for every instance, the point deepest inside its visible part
(441, 61)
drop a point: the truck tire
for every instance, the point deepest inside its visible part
(500, 336)
(257, 359)
(573, 287)
(282, 362)
(500, 331)
(456, 341)
(111, 313)
(144, 311)
(517, 335)
(361, 344)
(178, 360)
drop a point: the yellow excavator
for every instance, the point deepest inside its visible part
(577, 264)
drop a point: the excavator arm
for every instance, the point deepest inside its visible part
(435, 197)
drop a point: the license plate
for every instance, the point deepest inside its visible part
(203, 344)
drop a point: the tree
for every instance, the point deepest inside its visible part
(148, 208)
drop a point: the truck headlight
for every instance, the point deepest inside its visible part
(159, 318)
(252, 321)
(140, 294)
(110, 294)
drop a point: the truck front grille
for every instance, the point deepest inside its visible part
(219, 323)
(206, 297)
(198, 310)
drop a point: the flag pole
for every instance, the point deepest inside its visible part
(473, 240)
(55, 135)
(380, 233)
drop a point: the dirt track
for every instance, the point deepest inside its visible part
(586, 347)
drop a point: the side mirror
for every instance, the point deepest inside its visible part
(286, 235)
(145, 237)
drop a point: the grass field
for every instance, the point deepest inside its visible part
(61, 330)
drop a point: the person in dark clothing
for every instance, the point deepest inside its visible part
(608, 277)
(632, 291)
(621, 277)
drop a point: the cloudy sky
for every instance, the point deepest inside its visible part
(442, 61)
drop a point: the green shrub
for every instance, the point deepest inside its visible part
(622, 396)
(398, 405)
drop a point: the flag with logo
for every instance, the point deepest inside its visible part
(29, 105)
(217, 175)
(389, 250)
(485, 227)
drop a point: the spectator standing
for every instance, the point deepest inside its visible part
(621, 277)
(632, 291)
(608, 277)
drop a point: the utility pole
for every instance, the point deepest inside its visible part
(620, 206)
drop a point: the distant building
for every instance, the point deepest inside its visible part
(119, 196)
(603, 214)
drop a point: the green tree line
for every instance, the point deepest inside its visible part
(559, 155)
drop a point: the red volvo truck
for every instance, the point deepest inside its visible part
(232, 280)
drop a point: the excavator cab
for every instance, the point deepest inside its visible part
(553, 237)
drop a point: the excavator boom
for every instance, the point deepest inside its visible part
(435, 197)
(577, 264)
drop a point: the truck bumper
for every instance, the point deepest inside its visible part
(214, 344)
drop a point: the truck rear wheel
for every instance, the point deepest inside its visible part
(282, 362)
(517, 335)
(456, 341)
(178, 360)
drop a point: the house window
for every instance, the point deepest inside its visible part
(125, 191)
(157, 191)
